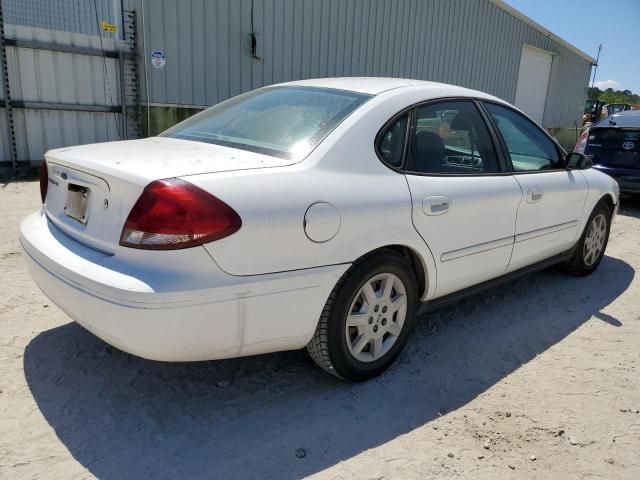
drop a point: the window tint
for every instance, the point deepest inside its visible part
(530, 149)
(451, 137)
(391, 142)
(286, 122)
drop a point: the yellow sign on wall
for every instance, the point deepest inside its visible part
(109, 27)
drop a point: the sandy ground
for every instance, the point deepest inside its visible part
(539, 379)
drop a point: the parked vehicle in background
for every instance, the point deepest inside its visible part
(613, 144)
(315, 213)
(592, 112)
(613, 108)
(596, 110)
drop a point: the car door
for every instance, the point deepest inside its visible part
(550, 212)
(464, 203)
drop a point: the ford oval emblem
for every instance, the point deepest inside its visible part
(628, 145)
(64, 175)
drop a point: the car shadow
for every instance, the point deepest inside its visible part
(630, 206)
(123, 417)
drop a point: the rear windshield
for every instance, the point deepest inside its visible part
(624, 120)
(614, 134)
(285, 122)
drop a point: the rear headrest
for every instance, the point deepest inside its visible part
(429, 142)
(428, 152)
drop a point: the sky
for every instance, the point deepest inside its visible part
(586, 24)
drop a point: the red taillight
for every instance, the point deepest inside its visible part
(173, 214)
(44, 180)
(581, 144)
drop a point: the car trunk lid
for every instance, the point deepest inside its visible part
(92, 188)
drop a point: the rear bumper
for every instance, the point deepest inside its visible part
(628, 179)
(154, 305)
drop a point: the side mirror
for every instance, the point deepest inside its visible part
(578, 161)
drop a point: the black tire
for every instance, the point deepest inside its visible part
(328, 347)
(577, 265)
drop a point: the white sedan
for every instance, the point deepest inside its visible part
(316, 213)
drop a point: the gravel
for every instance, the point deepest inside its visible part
(562, 354)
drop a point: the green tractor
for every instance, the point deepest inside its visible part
(592, 112)
(595, 110)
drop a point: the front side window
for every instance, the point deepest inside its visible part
(451, 138)
(285, 122)
(529, 148)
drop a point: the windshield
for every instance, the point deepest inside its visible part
(616, 107)
(285, 122)
(589, 106)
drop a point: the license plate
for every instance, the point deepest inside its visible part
(77, 199)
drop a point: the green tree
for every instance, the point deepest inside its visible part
(614, 96)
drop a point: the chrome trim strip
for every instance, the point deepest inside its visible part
(482, 247)
(521, 237)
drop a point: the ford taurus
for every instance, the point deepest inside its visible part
(316, 213)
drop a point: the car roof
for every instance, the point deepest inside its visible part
(378, 85)
(630, 113)
(628, 118)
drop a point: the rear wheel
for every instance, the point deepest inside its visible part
(367, 319)
(593, 242)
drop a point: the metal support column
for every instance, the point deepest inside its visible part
(129, 76)
(123, 98)
(8, 107)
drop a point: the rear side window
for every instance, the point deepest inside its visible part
(614, 134)
(529, 148)
(451, 138)
(285, 122)
(391, 142)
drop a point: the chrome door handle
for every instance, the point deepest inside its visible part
(436, 205)
(534, 195)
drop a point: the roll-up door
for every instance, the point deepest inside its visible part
(533, 82)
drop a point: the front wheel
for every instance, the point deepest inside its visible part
(367, 319)
(593, 242)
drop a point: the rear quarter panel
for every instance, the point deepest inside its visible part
(373, 201)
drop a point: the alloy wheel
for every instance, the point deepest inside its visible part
(376, 317)
(594, 241)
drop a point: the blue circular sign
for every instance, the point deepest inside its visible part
(158, 59)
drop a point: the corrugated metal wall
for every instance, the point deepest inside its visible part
(77, 16)
(56, 77)
(472, 43)
(38, 75)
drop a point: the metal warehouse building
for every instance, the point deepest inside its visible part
(82, 71)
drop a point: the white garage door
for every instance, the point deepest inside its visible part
(533, 81)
